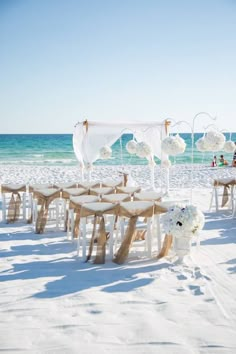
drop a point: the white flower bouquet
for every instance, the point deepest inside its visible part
(181, 222)
(173, 145)
(105, 152)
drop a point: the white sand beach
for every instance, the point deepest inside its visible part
(51, 302)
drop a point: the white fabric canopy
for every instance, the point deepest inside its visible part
(90, 136)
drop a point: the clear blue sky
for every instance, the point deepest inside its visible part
(66, 60)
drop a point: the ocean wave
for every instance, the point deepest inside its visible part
(39, 162)
(57, 150)
(38, 155)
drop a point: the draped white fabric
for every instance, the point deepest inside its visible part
(90, 136)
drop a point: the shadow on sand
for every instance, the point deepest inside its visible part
(74, 276)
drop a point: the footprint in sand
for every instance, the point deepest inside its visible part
(180, 289)
(198, 274)
(196, 290)
(182, 277)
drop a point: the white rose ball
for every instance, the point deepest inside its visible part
(105, 152)
(131, 147)
(182, 144)
(215, 140)
(143, 150)
(229, 146)
(173, 145)
(201, 144)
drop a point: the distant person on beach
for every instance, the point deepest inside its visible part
(234, 156)
(222, 161)
(214, 162)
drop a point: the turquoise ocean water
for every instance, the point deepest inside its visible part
(57, 150)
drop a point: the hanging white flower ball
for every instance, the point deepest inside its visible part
(173, 145)
(215, 140)
(229, 146)
(131, 147)
(166, 163)
(182, 144)
(168, 145)
(143, 150)
(201, 144)
(105, 152)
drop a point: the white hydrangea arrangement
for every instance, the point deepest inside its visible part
(214, 140)
(143, 150)
(105, 152)
(173, 145)
(131, 147)
(229, 146)
(183, 222)
(201, 144)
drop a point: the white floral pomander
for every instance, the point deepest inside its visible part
(173, 145)
(229, 146)
(105, 152)
(201, 144)
(181, 222)
(166, 163)
(131, 147)
(214, 140)
(143, 150)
